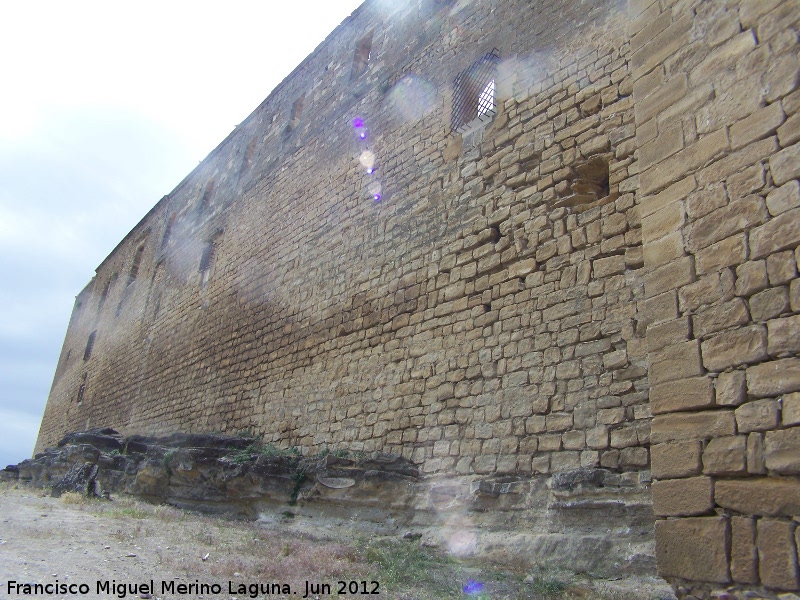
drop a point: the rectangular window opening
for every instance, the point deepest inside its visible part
(205, 199)
(361, 56)
(89, 345)
(106, 290)
(297, 108)
(137, 262)
(168, 232)
(82, 389)
(475, 92)
(207, 258)
(247, 159)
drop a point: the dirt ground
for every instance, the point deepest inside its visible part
(116, 549)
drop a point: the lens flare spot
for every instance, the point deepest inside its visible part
(375, 190)
(367, 160)
(473, 587)
(412, 97)
(363, 135)
(358, 122)
(461, 537)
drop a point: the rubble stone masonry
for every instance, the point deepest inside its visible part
(601, 268)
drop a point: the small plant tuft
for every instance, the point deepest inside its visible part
(169, 455)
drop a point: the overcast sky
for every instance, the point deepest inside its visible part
(104, 108)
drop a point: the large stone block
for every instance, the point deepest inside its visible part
(692, 426)
(676, 459)
(758, 415)
(751, 277)
(764, 496)
(785, 197)
(683, 394)
(785, 165)
(774, 378)
(731, 388)
(744, 554)
(724, 222)
(683, 497)
(675, 362)
(719, 317)
(726, 456)
(731, 251)
(780, 233)
(782, 451)
(769, 304)
(761, 123)
(695, 548)
(777, 554)
(670, 276)
(791, 409)
(783, 336)
(740, 346)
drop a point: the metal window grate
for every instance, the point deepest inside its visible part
(474, 91)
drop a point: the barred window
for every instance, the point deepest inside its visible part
(474, 91)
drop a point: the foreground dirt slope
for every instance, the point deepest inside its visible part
(72, 541)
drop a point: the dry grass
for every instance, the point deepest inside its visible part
(193, 546)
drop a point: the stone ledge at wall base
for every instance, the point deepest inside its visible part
(587, 520)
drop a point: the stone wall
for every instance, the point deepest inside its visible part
(508, 301)
(715, 89)
(480, 317)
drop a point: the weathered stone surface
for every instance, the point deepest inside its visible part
(728, 252)
(731, 388)
(740, 346)
(719, 317)
(774, 378)
(755, 454)
(676, 459)
(759, 124)
(692, 426)
(780, 233)
(725, 456)
(744, 554)
(766, 496)
(791, 409)
(668, 333)
(683, 394)
(751, 277)
(785, 197)
(777, 554)
(675, 362)
(769, 304)
(670, 276)
(783, 336)
(782, 451)
(781, 267)
(785, 165)
(695, 548)
(758, 415)
(683, 497)
(724, 222)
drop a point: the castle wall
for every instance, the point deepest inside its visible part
(509, 300)
(716, 97)
(472, 319)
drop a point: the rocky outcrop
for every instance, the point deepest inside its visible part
(586, 520)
